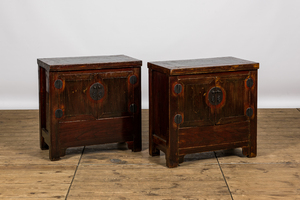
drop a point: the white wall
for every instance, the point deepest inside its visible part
(266, 31)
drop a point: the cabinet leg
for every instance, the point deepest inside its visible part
(172, 161)
(62, 152)
(246, 151)
(134, 146)
(43, 144)
(181, 159)
(54, 154)
(130, 145)
(154, 151)
(253, 151)
(137, 144)
(250, 152)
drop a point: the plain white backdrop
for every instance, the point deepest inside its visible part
(266, 31)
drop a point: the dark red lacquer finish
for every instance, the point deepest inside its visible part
(88, 101)
(202, 105)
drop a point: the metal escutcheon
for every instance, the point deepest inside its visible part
(249, 82)
(249, 112)
(178, 119)
(215, 96)
(133, 79)
(97, 91)
(58, 113)
(58, 84)
(177, 88)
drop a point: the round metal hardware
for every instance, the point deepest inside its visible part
(132, 108)
(58, 113)
(177, 88)
(133, 79)
(97, 91)
(178, 119)
(58, 84)
(215, 96)
(249, 82)
(249, 112)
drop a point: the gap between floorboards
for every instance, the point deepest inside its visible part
(223, 175)
(74, 173)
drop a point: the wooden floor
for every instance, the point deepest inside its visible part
(114, 172)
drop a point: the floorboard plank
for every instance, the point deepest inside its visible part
(111, 171)
(132, 182)
(264, 181)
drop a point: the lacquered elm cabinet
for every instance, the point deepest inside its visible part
(202, 105)
(89, 100)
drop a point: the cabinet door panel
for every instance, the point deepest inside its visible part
(236, 97)
(193, 102)
(75, 100)
(73, 97)
(118, 94)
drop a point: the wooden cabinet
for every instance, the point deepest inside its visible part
(202, 105)
(89, 100)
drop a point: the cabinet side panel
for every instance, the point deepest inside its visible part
(42, 107)
(253, 119)
(137, 118)
(160, 104)
(47, 85)
(42, 97)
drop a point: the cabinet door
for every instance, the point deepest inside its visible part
(119, 93)
(235, 97)
(213, 107)
(193, 100)
(88, 95)
(72, 95)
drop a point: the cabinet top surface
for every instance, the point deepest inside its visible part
(88, 62)
(205, 65)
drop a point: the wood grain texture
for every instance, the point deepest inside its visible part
(213, 101)
(140, 183)
(277, 139)
(93, 132)
(112, 171)
(268, 181)
(91, 104)
(88, 62)
(213, 135)
(205, 65)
